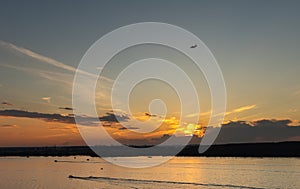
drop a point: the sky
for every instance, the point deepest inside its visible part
(256, 44)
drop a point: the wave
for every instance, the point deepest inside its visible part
(87, 161)
(159, 181)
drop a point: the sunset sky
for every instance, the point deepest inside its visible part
(256, 44)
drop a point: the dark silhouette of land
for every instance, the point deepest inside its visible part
(279, 149)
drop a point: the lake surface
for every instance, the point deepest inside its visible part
(179, 172)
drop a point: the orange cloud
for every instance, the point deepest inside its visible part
(241, 109)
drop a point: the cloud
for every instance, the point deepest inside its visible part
(8, 126)
(111, 117)
(150, 115)
(131, 128)
(292, 110)
(47, 99)
(65, 78)
(46, 117)
(237, 110)
(70, 119)
(6, 103)
(297, 92)
(197, 114)
(244, 108)
(265, 130)
(65, 108)
(241, 109)
(41, 58)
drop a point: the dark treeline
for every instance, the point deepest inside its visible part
(280, 149)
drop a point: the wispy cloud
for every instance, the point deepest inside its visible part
(8, 126)
(64, 78)
(47, 99)
(292, 110)
(297, 92)
(241, 109)
(237, 110)
(197, 114)
(65, 108)
(41, 58)
(6, 103)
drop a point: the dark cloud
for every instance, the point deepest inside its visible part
(258, 131)
(37, 115)
(150, 115)
(6, 103)
(266, 130)
(66, 108)
(83, 120)
(111, 117)
(237, 132)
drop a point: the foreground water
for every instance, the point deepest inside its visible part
(179, 172)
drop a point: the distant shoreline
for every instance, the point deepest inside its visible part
(276, 149)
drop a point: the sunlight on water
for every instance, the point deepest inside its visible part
(180, 172)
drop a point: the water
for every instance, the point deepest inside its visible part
(179, 172)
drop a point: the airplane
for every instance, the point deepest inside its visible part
(193, 46)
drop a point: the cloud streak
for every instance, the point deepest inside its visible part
(8, 126)
(241, 109)
(37, 115)
(237, 110)
(41, 58)
(6, 103)
(69, 119)
(65, 78)
(66, 108)
(47, 99)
